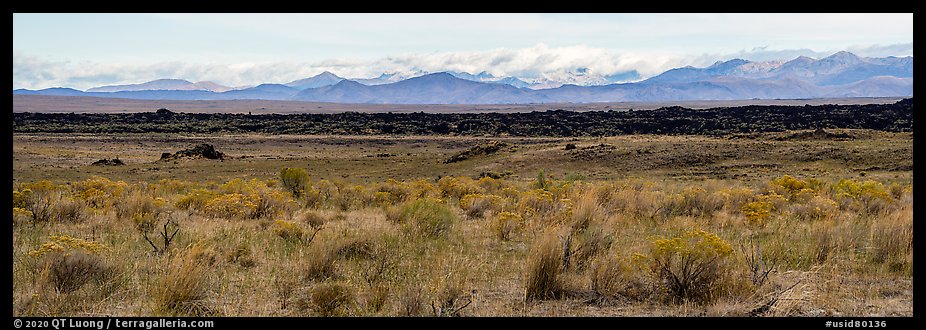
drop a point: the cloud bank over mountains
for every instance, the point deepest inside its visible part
(842, 74)
(540, 65)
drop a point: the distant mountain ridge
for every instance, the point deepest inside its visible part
(842, 74)
(163, 84)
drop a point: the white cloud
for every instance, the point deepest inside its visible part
(34, 72)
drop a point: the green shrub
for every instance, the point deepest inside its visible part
(295, 180)
(428, 217)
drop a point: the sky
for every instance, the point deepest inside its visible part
(88, 50)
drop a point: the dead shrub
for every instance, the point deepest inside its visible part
(377, 297)
(411, 301)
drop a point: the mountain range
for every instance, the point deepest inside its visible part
(842, 74)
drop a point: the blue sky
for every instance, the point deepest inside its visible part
(86, 50)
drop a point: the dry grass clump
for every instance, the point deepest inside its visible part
(241, 255)
(139, 203)
(312, 219)
(892, 240)
(184, 290)
(320, 264)
(327, 299)
(586, 211)
(545, 269)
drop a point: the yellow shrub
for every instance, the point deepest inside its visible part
(457, 187)
(21, 215)
(229, 206)
(195, 199)
(289, 231)
(171, 186)
(384, 198)
(22, 199)
(490, 185)
(690, 266)
(848, 188)
(537, 202)
(793, 189)
(421, 189)
(397, 191)
(99, 192)
(67, 244)
(505, 224)
(757, 212)
(868, 196)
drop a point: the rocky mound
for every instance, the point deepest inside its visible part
(591, 152)
(482, 149)
(200, 151)
(108, 162)
(818, 134)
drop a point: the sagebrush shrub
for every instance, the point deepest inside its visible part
(67, 272)
(295, 180)
(428, 217)
(68, 210)
(475, 205)
(591, 243)
(312, 219)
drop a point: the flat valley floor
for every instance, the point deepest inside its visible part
(833, 212)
